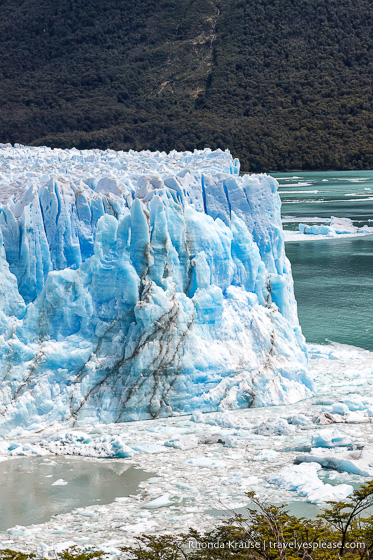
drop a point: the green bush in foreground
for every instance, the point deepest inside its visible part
(266, 532)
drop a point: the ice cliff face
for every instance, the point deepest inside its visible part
(136, 285)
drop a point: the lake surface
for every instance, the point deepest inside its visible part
(29, 493)
(345, 194)
(333, 278)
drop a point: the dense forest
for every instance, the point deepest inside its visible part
(284, 84)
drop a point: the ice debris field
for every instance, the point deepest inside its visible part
(301, 454)
(155, 287)
(139, 285)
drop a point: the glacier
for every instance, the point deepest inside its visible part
(138, 285)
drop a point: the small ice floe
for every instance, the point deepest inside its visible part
(226, 440)
(211, 439)
(303, 479)
(86, 445)
(21, 531)
(355, 462)
(354, 408)
(337, 408)
(299, 420)
(147, 447)
(182, 442)
(330, 438)
(60, 482)
(206, 462)
(299, 444)
(274, 427)
(338, 226)
(45, 551)
(161, 501)
(85, 513)
(355, 402)
(269, 455)
(358, 417)
(145, 526)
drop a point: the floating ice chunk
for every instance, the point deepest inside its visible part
(211, 439)
(60, 482)
(299, 420)
(304, 480)
(316, 230)
(338, 408)
(118, 449)
(161, 501)
(299, 444)
(147, 447)
(21, 531)
(83, 444)
(206, 462)
(330, 438)
(357, 417)
(274, 426)
(183, 442)
(139, 528)
(343, 225)
(338, 226)
(266, 455)
(45, 551)
(355, 462)
(230, 441)
(85, 513)
(355, 402)
(13, 446)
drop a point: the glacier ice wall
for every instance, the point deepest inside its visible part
(136, 285)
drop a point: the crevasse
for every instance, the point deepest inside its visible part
(137, 285)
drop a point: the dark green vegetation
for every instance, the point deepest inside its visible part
(285, 84)
(341, 531)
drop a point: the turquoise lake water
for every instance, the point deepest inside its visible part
(333, 278)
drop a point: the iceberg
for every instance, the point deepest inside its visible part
(338, 226)
(304, 480)
(138, 285)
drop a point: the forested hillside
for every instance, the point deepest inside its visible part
(284, 84)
